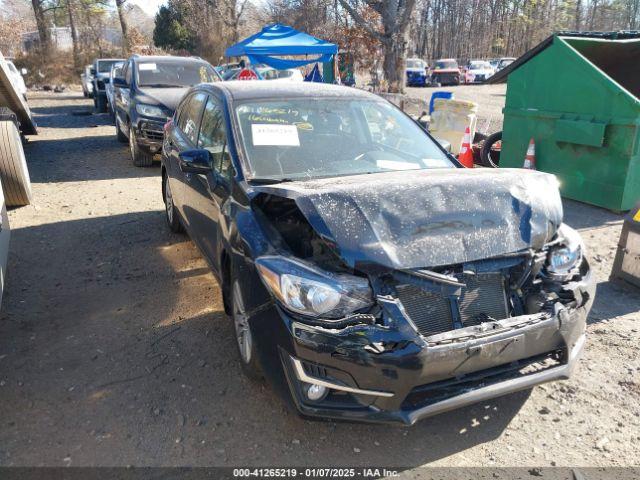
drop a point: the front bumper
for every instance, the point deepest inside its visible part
(445, 78)
(391, 374)
(416, 79)
(150, 134)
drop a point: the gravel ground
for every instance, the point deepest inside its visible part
(114, 349)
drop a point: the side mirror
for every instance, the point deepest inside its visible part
(92, 71)
(119, 82)
(23, 71)
(196, 161)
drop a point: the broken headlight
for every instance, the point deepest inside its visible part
(308, 290)
(567, 255)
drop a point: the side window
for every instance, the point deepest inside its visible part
(190, 116)
(213, 137)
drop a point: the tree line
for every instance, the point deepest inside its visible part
(380, 34)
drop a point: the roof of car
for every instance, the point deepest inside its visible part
(165, 58)
(248, 89)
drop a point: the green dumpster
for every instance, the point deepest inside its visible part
(577, 98)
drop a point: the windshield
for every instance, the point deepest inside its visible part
(479, 65)
(444, 64)
(104, 66)
(166, 74)
(415, 64)
(329, 137)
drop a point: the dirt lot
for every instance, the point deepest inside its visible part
(114, 349)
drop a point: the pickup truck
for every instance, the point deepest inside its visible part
(102, 68)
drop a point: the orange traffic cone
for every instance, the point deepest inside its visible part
(530, 157)
(466, 155)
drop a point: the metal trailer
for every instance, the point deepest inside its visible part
(15, 185)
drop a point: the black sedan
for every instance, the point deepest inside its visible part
(369, 275)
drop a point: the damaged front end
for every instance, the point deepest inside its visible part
(373, 341)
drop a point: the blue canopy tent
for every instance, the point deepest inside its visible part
(279, 40)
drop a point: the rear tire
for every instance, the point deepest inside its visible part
(488, 157)
(14, 173)
(101, 104)
(244, 339)
(140, 157)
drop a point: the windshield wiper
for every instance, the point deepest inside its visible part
(162, 85)
(270, 181)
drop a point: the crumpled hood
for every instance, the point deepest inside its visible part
(429, 218)
(164, 97)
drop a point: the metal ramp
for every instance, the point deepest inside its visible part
(14, 101)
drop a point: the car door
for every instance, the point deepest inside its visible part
(185, 137)
(122, 97)
(205, 193)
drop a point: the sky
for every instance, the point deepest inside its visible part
(149, 6)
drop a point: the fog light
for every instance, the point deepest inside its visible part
(315, 393)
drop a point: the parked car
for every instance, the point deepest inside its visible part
(16, 77)
(116, 71)
(478, 71)
(446, 72)
(268, 73)
(231, 73)
(225, 67)
(368, 275)
(505, 62)
(416, 71)
(102, 67)
(86, 79)
(146, 96)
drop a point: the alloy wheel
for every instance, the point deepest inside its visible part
(168, 200)
(241, 324)
(132, 143)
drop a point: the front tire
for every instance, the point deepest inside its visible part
(140, 157)
(171, 213)
(122, 138)
(244, 338)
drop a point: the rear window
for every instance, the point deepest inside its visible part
(167, 74)
(446, 64)
(104, 66)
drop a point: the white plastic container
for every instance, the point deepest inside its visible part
(449, 120)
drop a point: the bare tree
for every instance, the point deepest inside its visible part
(120, 5)
(74, 33)
(39, 12)
(230, 11)
(395, 16)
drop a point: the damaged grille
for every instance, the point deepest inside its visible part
(438, 391)
(152, 131)
(482, 299)
(430, 312)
